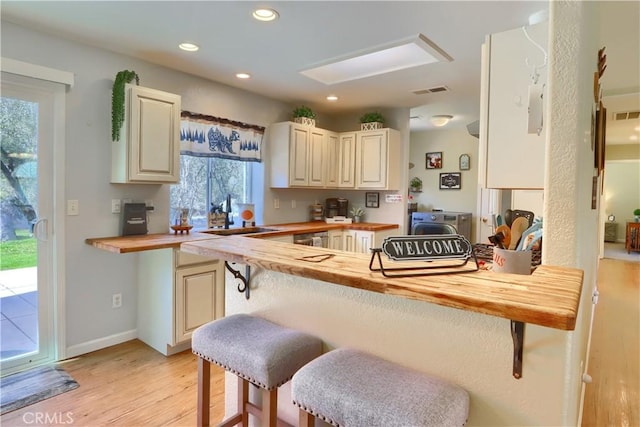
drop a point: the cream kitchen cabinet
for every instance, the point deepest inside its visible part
(512, 108)
(336, 239)
(378, 157)
(148, 151)
(297, 155)
(361, 241)
(332, 176)
(177, 292)
(347, 160)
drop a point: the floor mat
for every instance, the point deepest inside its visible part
(28, 387)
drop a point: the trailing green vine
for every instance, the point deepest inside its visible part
(117, 100)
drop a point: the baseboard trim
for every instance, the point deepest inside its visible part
(93, 345)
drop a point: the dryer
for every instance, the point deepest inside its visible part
(460, 220)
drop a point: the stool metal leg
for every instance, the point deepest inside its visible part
(305, 419)
(204, 391)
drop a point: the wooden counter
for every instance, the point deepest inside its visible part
(146, 242)
(549, 297)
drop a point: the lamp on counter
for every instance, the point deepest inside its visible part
(441, 119)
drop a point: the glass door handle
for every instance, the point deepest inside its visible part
(41, 229)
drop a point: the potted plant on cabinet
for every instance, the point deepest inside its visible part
(304, 115)
(415, 185)
(636, 214)
(371, 121)
(357, 213)
(117, 100)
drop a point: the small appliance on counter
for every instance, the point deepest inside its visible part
(317, 212)
(134, 219)
(336, 207)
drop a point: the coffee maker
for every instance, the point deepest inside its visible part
(336, 207)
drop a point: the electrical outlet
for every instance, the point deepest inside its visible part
(149, 205)
(293, 204)
(116, 301)
(276, 203)
(115, 206)
(73, 207)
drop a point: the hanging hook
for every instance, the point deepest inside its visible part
(534, 68)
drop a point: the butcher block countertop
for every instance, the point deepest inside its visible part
(549, 297)
(146, 242)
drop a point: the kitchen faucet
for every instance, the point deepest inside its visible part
(227, 218)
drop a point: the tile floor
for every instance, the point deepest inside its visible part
(18, 311)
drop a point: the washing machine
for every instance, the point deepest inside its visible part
(460, 220)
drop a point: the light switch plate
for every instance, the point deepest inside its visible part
(73, 207)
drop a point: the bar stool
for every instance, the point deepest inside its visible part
(346, 387)
(256, 351)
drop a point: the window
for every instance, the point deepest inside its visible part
(206, 182)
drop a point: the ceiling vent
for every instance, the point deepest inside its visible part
(431, 90)
(626, 115)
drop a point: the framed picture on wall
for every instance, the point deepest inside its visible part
(465, 162)
(450, 181)
(372, 200)
(434, 160)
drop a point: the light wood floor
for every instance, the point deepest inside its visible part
(613, 398)
(133, 385)
(130, 385)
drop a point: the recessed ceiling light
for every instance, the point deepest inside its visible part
(243, 76)
(633, 137)
(441, 119)
(189, 47)
(265, 14)
(332, 98)
(398, 55)
(637, 128)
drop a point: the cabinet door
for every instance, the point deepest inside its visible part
(298, 155)
(364, 241)
(371, 167)
(332, 176)
(154, 135)
(347, 160)
(199, 298)
(336, 239)
(316, 158)
(349, 241)
(515, 157)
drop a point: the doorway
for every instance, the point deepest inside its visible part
(27, 182)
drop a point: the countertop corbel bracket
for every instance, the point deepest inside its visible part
(244, 286)
(517, 334)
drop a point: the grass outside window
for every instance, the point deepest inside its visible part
(19, 253)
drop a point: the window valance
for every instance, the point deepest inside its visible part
(208, 136)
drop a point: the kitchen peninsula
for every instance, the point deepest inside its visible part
(454, 326)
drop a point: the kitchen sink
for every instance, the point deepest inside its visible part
(238, 231)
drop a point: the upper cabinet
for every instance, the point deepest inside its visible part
(378, 159)
(148, 151)
(303, 156)
(512, 136)
(297, 155)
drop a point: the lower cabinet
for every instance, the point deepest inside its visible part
(360, 241)
(177, 292)
(336, 239)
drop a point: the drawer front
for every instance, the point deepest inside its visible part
(185, 258)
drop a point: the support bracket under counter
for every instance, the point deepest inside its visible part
(244, 285)
(517, 334)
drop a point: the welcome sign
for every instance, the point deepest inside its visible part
(427, 247)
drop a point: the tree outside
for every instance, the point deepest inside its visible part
(206, 181)
(18, 182)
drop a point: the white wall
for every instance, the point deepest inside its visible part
(621, 192)
(570, 225)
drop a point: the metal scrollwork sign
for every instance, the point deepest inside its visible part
(447, 247)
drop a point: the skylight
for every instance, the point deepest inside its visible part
(395, 56)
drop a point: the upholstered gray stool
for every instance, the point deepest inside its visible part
(257, 351)
(347, 387)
